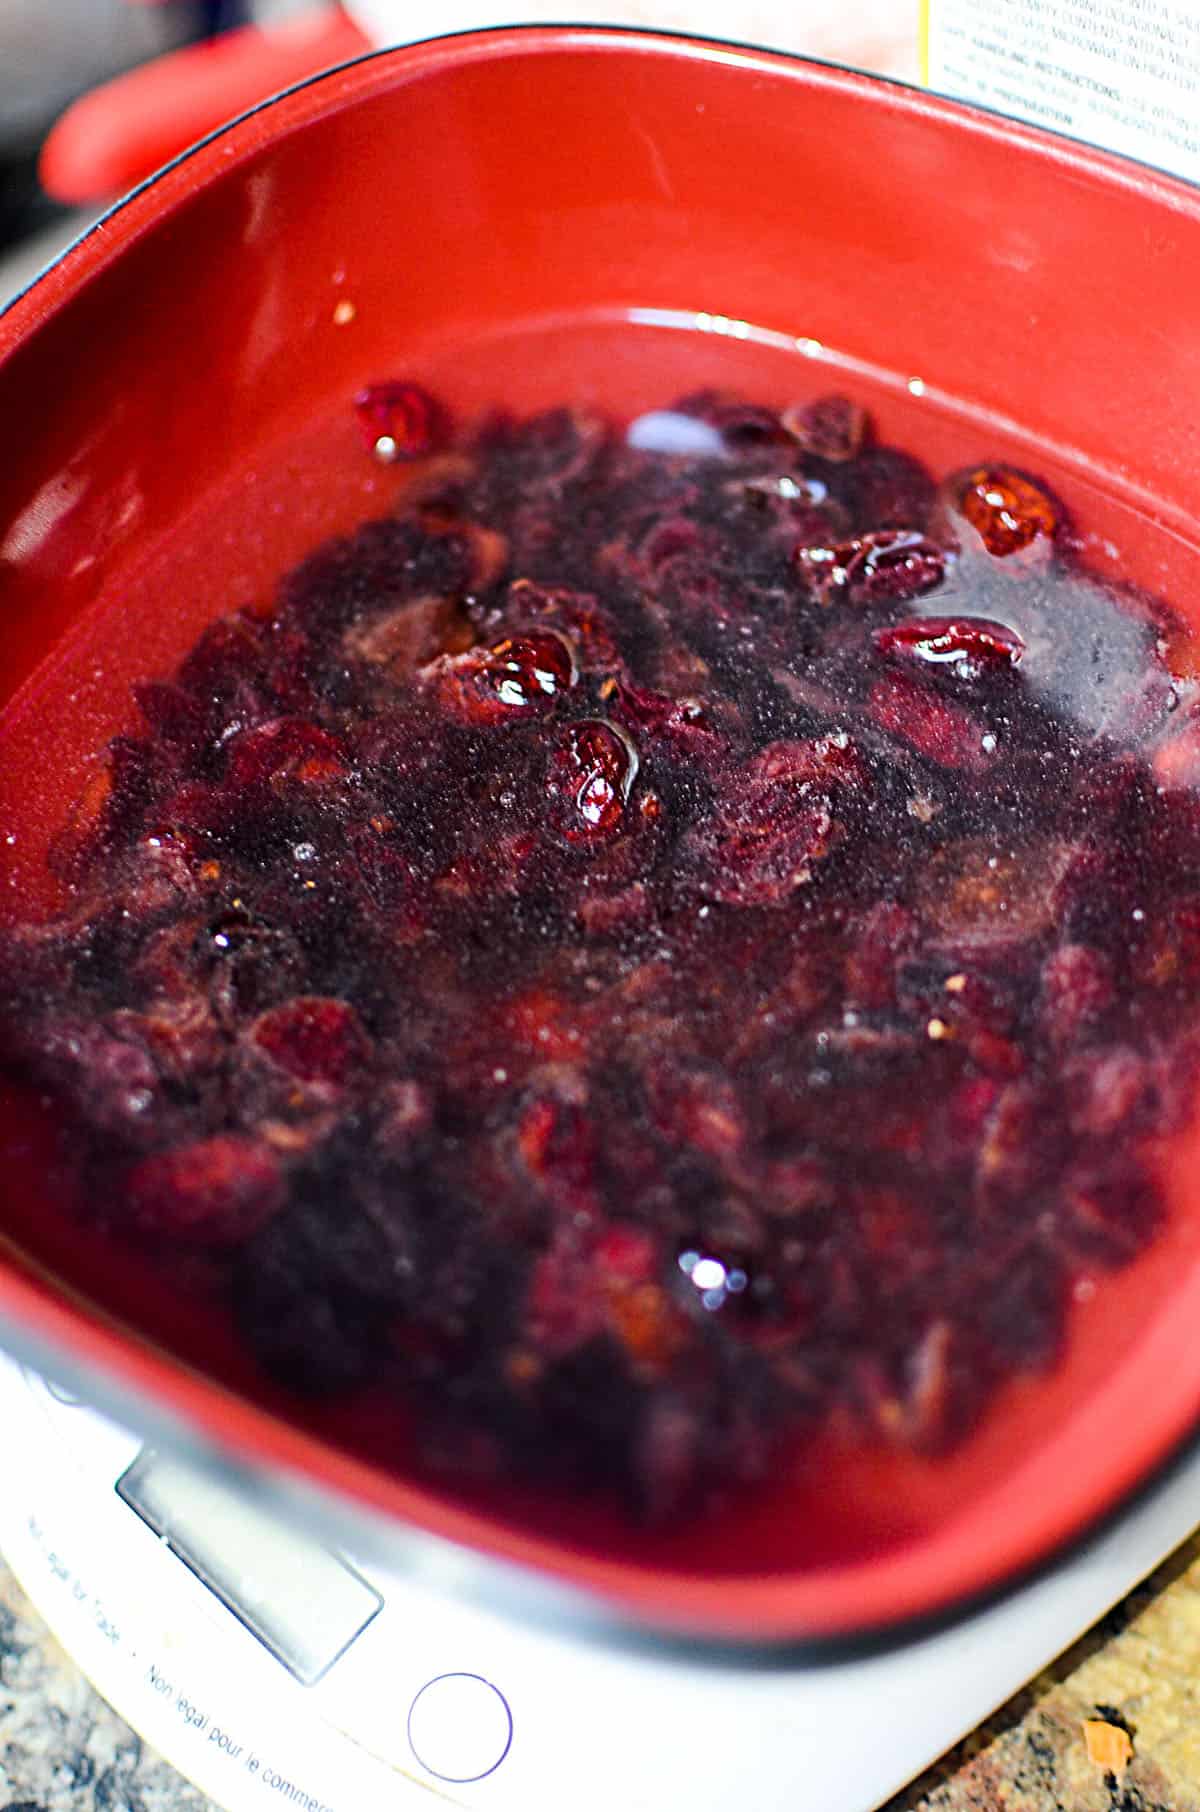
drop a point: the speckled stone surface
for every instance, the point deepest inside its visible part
(1140, 1667)
(63, 1750)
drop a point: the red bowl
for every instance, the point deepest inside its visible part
(616, 217)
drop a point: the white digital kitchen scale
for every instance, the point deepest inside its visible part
(277, 1673)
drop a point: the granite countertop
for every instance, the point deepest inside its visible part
(63, 1750)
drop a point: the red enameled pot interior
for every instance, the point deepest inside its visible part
(524, 217)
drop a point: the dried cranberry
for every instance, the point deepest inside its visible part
(831, 427)
(215, 1192)
(397, 420)
(971, 645)
(592, 771)
(1007, 511)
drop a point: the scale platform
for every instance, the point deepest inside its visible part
(275, 1672)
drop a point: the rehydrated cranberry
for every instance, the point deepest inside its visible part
(772, 823)
(970, 645)
(894, 565)
(823, 566)
(578, 617)
(798, 495)
(622, 914)
(1171, 957)
(546, 452)
(669, 537)
(1177, 757)
(541, 1023)
(564, 1308)
(697, 1106)
(830, 427)
(1077, 990)
(398, 420)
(627, 1254)
(686, 726)
(111, 1077)
(1109, 1216)
(686, 587)
(411, 635)
(742, 425)
(283, 752)
(592, 772)
(888, 489)
(929, 1401)
(405, 1118)
(556, 1140)
(214, 1192)
(981, 892)
(585, 1286)
(890, 566)
(942, 732)
(484, 553)
(181, 1035)
(228, 655)
(870, 969)
(1007, 511)
(313, 1038)
(109, 808)
(518, 674)
(1109, 1091)
(170, 712)
(245, 962)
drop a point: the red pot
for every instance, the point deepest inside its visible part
(175, 395)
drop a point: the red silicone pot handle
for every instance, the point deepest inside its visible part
(121, 132)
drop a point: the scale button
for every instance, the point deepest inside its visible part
(459, 1727)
